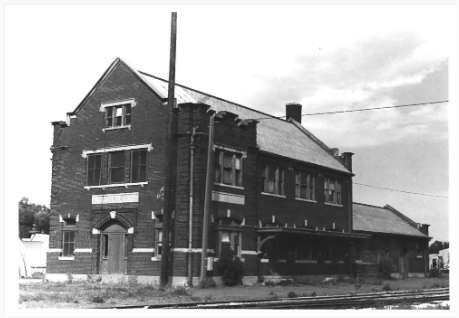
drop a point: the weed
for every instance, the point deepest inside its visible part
(69, 278)
(273, 295)
(387, 287)
(313, 294)
(435, 286)
(292, 294)
(38, 275)
(208, 283)
(285, 282)
(132, 281)
(434, 273)
(180, 291)
(97, 299)
(270, 283)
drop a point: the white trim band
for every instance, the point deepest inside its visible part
(143, 250)
(116, 185)
(120, 148)
(54, 250)
(83, 250)
(274, 195)
(187, 250)
(118, 103)
(242, 152)
(66, 258)
(249, 252)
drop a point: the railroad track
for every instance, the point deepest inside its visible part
(319, 302)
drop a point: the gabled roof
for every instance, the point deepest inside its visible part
(274, 135)
(385, 220)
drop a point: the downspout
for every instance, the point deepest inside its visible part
(190, 225)
(209, 183)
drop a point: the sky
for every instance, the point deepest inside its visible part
(327, 58)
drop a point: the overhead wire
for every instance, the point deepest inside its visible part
(424, 194)
(361, 110)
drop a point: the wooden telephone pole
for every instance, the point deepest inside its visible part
(168, 164)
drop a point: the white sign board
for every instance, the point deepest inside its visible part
(115, 198)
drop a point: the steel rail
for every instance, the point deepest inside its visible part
(333, 302)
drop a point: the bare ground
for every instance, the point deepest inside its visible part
(96, 295)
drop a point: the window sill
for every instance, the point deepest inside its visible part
(306, 200)
(419, 256)
(116, 185)
(264, 260)
(228, 186)
(274, 195)
(117, 128)
(156, 259)
(333, 204)
(282, 261)
(66, 258)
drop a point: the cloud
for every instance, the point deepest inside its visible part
(388, 69)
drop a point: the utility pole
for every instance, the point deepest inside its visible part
(168, 163)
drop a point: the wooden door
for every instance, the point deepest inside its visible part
(113, 250)
(116, 254)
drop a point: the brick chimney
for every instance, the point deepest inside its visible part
(424, 228)
(293, 110)
(347, 160)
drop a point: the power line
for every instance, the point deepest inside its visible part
(376, 108)
(362, 109)
(429, 195)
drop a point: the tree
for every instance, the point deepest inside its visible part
(30, 214)
(437, 246)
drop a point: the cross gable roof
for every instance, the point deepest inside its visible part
(385, 220)
(286, 138)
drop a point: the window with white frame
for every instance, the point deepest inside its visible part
(118, 116)
(229, 237)
(159, 242)
(273, 179)
(228, 168)
(332, 188)
(116, 167)
(94, 170)
(304, 185)
(138, 165)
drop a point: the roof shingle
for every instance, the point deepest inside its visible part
(381, 220)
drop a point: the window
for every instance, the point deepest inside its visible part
(305, 184)
(332, 190)
(229, 241)
(68, 237)
(118, 116)
(159, 243)
(116, 171)
(139, 165)
(228, 168)
(94, 164)
(273, 179)
(105, 246)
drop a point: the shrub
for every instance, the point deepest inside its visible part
(97, 299)
(273, 295)
(292, 294)
(231, 269)
(385, 266)
(270, 283)
(387, 287)
(434, 273)
(313, 294)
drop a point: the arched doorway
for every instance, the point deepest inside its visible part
(113, 248)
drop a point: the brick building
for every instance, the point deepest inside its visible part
(279, 197)
(394, 236)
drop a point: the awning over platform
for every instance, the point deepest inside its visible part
(304, 231)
